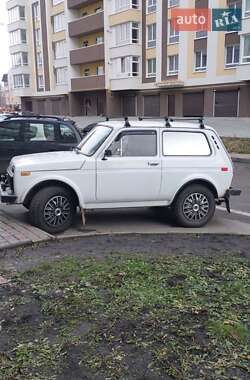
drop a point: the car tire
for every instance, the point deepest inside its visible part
(194, 206)
(52, 209)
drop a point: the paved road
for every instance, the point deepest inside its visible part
(143, 220)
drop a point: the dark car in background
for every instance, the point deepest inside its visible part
(20, 135)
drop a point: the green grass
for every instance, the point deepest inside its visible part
(237, 145)
(175, 317)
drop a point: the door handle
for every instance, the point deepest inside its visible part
(153, 163)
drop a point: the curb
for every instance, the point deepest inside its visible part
(243, 160)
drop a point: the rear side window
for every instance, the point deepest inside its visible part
(67, 135)
(39, 132)
(185, 144)
(10, 131)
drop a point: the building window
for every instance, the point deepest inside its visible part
(200, 61)
(201, 34)
(56, 2)
(21, 80)
(58, 22)
(18, 37)
(39, 58)
(232, 55)
(16, 14)
(121, 5)
(151, 68)
(61, 75)
(19, 59)
(99, 40)
(36, 11)
(126, 33)
(40, 81)
(173, 34)
(173, 64)
(247, 8)
(100, 70)
(151, 6)
(37, 37)
(151, 35)
(126, 66)
(173, 3)
(246, 49)
(60, 49)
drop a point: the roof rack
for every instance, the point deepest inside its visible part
(169, 119)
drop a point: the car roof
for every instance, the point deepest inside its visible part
(34, 119)
(118, 124)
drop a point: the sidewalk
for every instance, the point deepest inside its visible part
(14, 233)
(244, 158)
(225, 126)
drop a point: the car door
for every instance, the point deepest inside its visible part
(11, 142)
(40, 136)
(132, 170)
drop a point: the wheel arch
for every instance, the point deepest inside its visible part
(47, 183)
(200, 181)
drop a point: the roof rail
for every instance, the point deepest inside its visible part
(36, 116)
(199, 119)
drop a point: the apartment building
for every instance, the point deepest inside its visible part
(124, 57)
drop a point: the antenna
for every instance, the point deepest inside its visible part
(201, 121)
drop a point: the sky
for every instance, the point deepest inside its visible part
(4, 40)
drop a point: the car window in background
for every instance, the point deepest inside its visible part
(39, 132)
(10, 131)
(67, 135)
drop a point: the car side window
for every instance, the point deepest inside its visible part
(185, 144)
(10, 131)
(67, 135)
(135, 144)
(39, 132)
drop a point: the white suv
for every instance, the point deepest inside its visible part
(137, 163)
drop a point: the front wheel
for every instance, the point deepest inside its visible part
(52, 209)
(194, 206)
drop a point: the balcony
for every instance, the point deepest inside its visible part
(88, 54)
(94, 82)
(74, 4)
(86, 25)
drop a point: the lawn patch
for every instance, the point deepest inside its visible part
(237, 145)
(177, 317)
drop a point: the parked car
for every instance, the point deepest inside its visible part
(144, 163)
(22, 135)
(87, 129)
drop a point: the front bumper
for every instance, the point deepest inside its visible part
(6, 193)
(230, 192)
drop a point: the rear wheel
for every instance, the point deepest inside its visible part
(53, 209)
(194, 206)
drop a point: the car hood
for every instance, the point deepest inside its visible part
(68, 160)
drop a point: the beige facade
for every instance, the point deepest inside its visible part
(118, 58)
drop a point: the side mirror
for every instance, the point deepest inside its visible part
(107, 154)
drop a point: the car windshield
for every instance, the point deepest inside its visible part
(94, 140)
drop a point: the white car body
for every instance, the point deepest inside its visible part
(116, 181)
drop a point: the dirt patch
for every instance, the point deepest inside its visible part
(132, 307)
